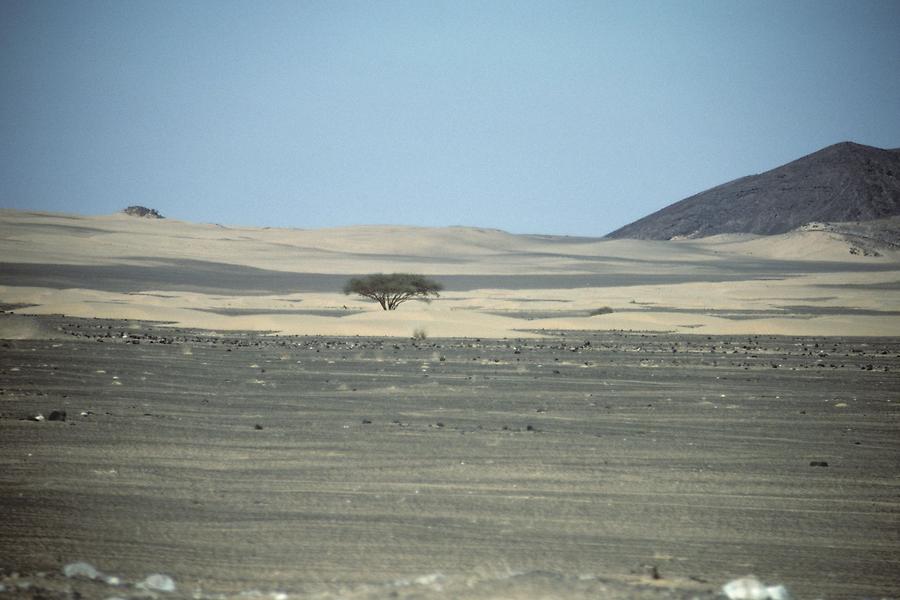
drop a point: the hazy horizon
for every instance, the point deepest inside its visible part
(562, 118)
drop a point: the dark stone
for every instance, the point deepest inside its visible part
(57, 415)
(143, 211)
(652, 571)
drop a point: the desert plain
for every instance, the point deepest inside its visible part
(583, 418)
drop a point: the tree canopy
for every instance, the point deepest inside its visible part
(391, 290)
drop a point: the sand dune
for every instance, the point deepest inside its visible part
(497, 284)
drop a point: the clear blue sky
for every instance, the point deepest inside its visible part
(535, 117)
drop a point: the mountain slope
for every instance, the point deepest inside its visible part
(843, 182)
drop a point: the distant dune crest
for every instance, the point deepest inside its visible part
(845, 182)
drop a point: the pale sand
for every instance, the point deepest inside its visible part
(499, 284)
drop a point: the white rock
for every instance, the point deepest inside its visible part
(81, 569)
(746, 588)
(778, 592)
(158, 582)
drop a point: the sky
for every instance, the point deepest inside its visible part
(556, 117)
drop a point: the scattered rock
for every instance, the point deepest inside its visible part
(751, 588)
(818, 463)
(158, 583)
(778, 592)
(651, 571)
(258, 427)
(745, 588)
(57, 415)
(81, 569)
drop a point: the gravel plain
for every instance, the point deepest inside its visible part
(578, 466)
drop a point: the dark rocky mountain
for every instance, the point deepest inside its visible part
(840, 183)
(143, 211)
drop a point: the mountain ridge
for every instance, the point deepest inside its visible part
(843, 182)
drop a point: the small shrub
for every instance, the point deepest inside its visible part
(603, 310)
(419, 334)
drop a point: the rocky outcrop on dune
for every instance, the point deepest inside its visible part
(867, 238)
(143, 211)
(842, 183)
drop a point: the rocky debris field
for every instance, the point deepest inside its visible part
(581, 465)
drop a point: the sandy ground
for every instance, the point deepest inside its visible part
(497, 285)
(564, 467)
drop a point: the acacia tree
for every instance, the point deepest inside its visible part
(393, 289)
